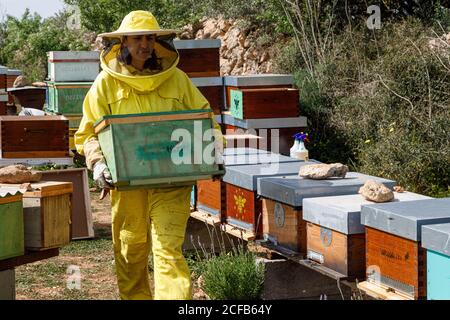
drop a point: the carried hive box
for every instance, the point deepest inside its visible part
(73, 66)
(276, 133)
(11, 224)
(211, 197)
(34, 137)
(255, 81)
(394, 256)
(244, 209)
(158, 149)
(335, 235)
(264, 103)
(199, 58)
(212, 89)
(283, 201)
(436, 239)
(46, 214)
(29, 97)
(67, 98)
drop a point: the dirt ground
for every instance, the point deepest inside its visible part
(56, 278)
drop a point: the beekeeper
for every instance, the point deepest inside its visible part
(140, 75)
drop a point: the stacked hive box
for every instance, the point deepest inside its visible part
(243, 207)
(335, 235)
(283, 216)
(395, 258)
(265, 105)
(199, 59)
(212, 194)
(436, 239)
(150, 156)
(11, 224)
(33, 137)
(70, 74)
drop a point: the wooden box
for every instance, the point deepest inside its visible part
(284, 226)
(199, 58)
(47, 215)
(255, 81)
(394, 255)
(34, 137)
(11, 224)
(212, 89)
(82, 226)
(288, 194)
(158, 149)
(73, 66)
(264, 103)
(67, 97)
(29, 97)
(3, 101)
(435, 238)
(244, 209)
(336, 237)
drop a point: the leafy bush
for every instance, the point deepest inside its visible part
(233, 276)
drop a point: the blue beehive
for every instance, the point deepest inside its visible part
(436, 239)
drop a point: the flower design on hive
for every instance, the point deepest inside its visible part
(239, 201)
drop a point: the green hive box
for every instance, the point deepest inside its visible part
(67, 97)
(144, 150)
(11, 226)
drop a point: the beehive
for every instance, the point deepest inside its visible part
(34, 137)
(199, 58)
(67, 97)
(264, 103)
(212, 90)
(11, 224)
(435, 238)
(335, 235)
(29, 97)
(283, 201)
(394, 256)
(73, 66)
(141, 149)
(255, 81)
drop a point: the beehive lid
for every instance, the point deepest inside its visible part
(343, 213)
(197, 44)
(3, 70)
(267, 79)
(246, 176)
(10, 194)
(256, 158)
(207, 81)
(269, 123)
(25, 88)
(292, 190)
(3, 97)
(405, 219)
(436, 237)
(73, 56)
(239, 151)
(151, 117)
(14, 72)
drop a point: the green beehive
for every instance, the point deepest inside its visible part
(11, 225)
(158, 149)
(67, 97)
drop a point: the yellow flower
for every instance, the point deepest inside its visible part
(367, 141)
(391, 130)
(240, 203)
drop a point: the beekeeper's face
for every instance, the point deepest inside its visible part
(140, 46)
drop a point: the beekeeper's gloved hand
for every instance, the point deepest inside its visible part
(102, 175)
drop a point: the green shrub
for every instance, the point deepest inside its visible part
(233, 276)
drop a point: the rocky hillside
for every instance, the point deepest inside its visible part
(242, 50)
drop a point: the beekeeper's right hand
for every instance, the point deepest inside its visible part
(102, 175)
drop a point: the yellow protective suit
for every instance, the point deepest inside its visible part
(148, 219)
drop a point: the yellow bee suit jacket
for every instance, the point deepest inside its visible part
(117, 91)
